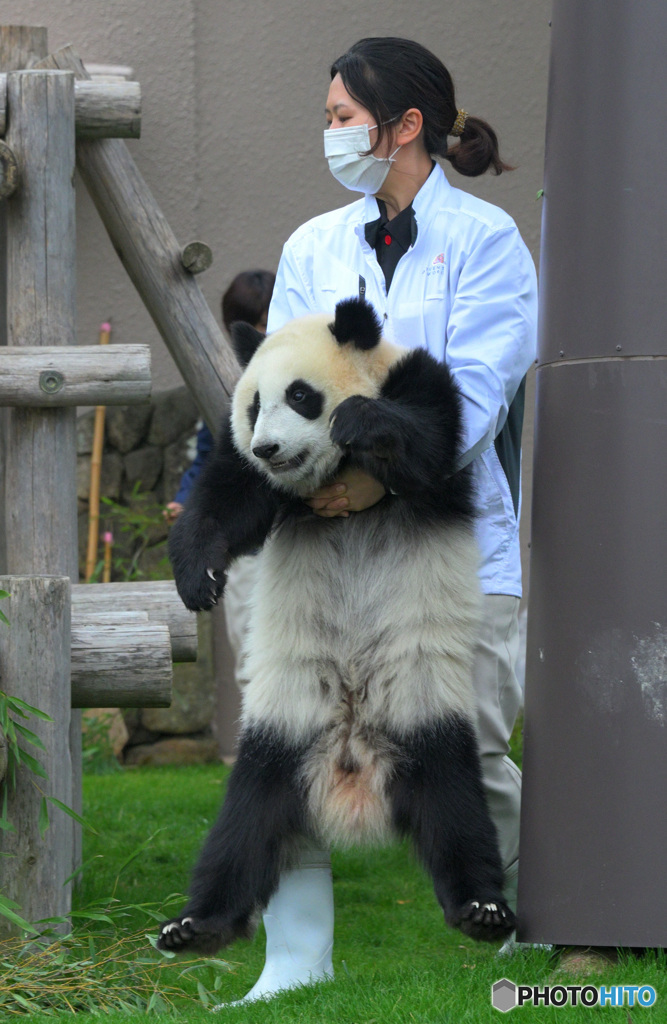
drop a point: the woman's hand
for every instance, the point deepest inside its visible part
(352, 491)
(172, 511)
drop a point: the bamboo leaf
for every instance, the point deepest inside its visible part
(5, 824)
(17, 705)
(32, 763)
(43, 817)
(82, 867)
(72, 814)
(6, 911)
(88, 916)
(30, 736)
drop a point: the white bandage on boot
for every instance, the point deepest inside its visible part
(299, 923)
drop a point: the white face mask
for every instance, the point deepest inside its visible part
(346, 149)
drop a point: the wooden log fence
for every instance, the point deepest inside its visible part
(151, 255)
(121, 664)
(156, 598)
(73, 645)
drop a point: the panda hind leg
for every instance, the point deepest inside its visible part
(438, 801)
(258, 832)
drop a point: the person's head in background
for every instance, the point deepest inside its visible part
(248, 298)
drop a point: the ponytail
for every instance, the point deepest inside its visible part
(477, 151)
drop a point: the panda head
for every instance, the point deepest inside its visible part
(291, 386)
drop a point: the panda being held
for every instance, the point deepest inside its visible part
(358, 718)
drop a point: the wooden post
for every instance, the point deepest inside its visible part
(21, 46)
(40, 475)
(41, 448)
(152, 257)
(35, 666)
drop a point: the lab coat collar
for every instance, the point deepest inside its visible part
(433, 192)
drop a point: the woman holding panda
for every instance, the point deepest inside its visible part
(450, 273)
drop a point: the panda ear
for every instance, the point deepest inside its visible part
(356, 321)
(245, 341)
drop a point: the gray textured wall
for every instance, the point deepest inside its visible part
(233, 112)
(233, 101)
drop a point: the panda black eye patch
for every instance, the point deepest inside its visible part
(304, 399)
(253, 410)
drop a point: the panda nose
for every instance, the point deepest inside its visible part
(265, 451)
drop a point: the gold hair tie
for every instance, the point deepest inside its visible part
(459, 123)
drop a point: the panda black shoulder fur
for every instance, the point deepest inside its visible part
(357, 722)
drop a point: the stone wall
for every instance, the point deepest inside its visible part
(146, 450)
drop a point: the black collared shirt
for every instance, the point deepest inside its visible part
(391, 238)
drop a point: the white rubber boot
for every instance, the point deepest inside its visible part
(299, 930)
(510, 946)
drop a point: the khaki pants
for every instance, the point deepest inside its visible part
(240, 581)
(498, 702)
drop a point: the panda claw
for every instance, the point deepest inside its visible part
(211, 574)
(486, 920)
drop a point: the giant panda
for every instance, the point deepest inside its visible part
(358, 718)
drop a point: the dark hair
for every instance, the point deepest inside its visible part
(247, 297)
(388, 76)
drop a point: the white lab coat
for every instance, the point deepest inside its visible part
(466, 291)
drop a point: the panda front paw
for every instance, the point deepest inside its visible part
(200, 589)
(486, 920)
(189, 934)
(361, 426)
(198, 553)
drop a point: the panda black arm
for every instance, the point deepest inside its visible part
(409, 437)
(229, 513)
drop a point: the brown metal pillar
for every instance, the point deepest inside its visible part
(594, 816)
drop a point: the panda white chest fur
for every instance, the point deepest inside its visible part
(357, 634)
(358, 718)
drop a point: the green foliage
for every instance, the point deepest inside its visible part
(98, 754)
(138, 522)
(3, 617)
(99, 968)
(14, 712)
(11, 709)
(395, 960)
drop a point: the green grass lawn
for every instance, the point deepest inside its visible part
(395, 960)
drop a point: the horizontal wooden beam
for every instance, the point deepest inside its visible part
(158, 598)
(121, 665)
(102, 110)
(56, 375)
